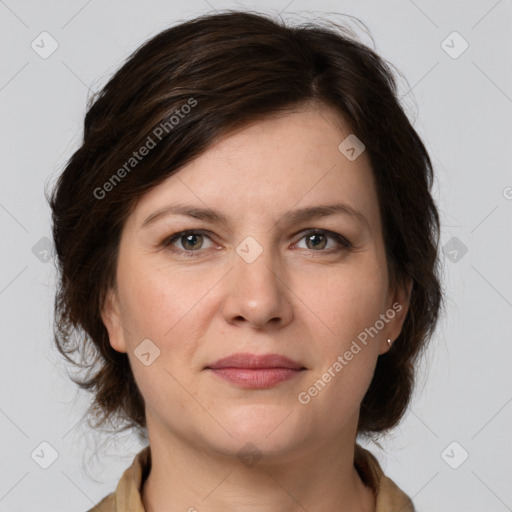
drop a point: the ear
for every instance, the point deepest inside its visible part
(398, 306)
(110, 314)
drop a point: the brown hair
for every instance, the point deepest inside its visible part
(184, 89)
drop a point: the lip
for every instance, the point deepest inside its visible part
(253, 371)
(255, 361)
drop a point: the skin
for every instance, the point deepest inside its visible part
(298, 299)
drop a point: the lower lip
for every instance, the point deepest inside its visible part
(259, 378)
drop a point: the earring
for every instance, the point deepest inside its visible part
(389, 343)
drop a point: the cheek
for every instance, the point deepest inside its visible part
(349, 304)
(349, 300)
(168, 307)
(160, 307)
(159, 300)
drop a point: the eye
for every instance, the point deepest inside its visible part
(191, 241)
(317, 240)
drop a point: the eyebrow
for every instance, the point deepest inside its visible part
(292, 217)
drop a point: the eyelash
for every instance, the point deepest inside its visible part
(167, 243)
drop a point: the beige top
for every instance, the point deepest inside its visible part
(127, 497)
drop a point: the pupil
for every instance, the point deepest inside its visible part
(311, 237)
(188, 237)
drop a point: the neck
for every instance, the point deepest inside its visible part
(186, 477)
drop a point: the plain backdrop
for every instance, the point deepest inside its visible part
(452, 452)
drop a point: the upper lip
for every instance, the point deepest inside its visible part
(253, 361)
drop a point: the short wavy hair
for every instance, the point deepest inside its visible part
(223, 71)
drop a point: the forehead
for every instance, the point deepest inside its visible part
(270, 166)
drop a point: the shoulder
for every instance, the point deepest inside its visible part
(107, 504)
(388, 495)
(127, 494)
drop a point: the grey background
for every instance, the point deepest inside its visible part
(462, 109)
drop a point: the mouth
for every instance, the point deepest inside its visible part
(252, 371)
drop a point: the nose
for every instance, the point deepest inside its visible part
(258, 293)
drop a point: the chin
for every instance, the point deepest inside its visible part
(273, 430)
(255, 447)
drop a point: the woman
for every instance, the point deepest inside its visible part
(247, 240)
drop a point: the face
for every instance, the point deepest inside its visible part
(257, 279)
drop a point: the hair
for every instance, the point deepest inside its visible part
(176, 95)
